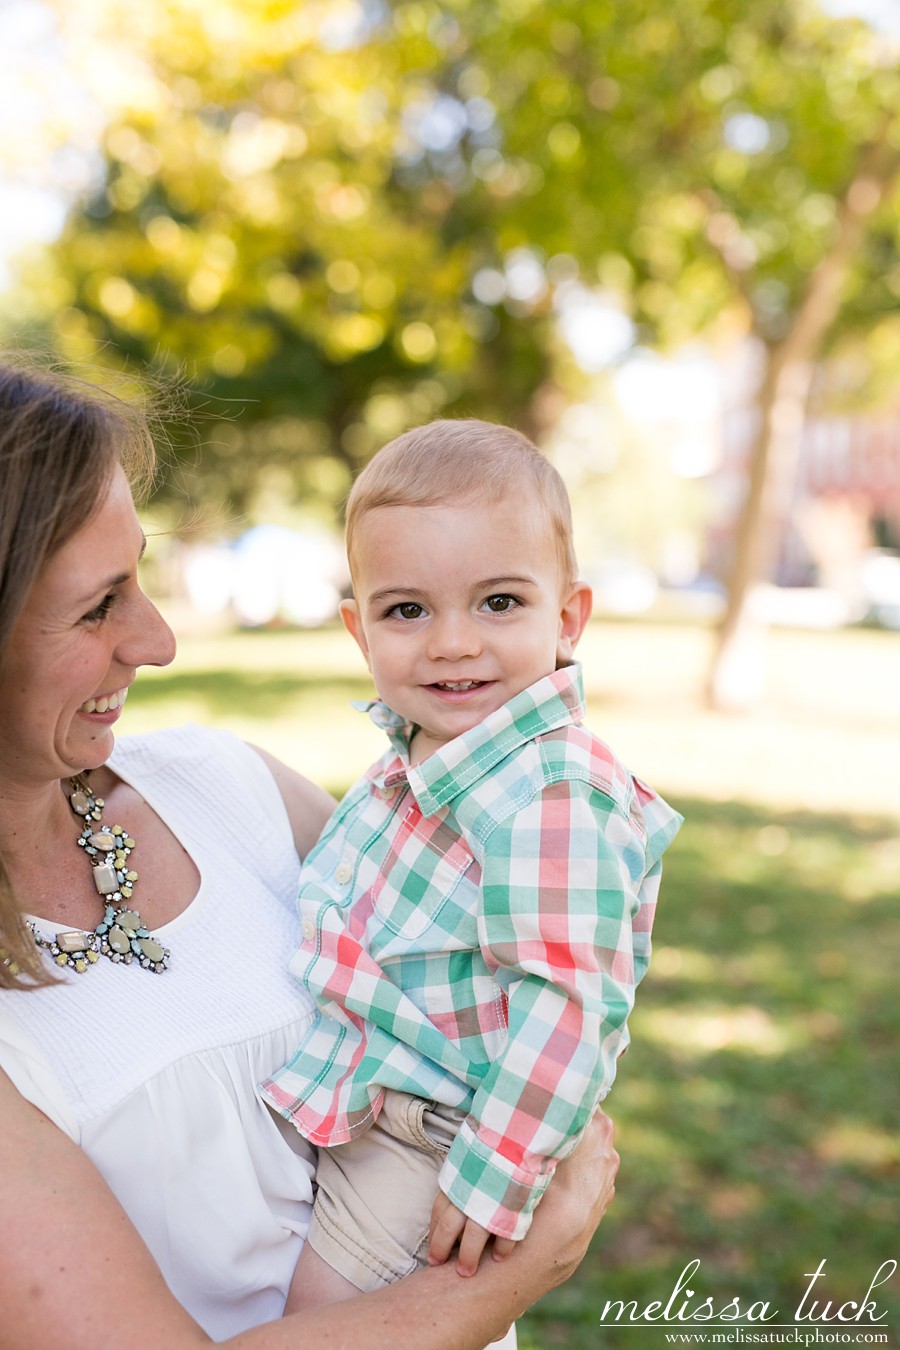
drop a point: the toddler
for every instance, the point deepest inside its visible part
(476, 915)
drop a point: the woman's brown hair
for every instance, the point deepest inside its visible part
(60, 442)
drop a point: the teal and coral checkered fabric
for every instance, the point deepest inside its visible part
(473, 929)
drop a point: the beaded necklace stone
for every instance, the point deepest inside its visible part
(121, 935)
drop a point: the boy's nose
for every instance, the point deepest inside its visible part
(452, 637)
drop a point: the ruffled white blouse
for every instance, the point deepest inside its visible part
(154, 1075)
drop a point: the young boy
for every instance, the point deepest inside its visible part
(477, 913)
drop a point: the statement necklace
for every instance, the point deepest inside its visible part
(121, 935)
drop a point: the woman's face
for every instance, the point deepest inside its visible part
(85, 629)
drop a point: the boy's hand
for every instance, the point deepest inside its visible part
(449, 1225)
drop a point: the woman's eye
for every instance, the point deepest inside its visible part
(99, 611)
(408, 611)
(499, 604)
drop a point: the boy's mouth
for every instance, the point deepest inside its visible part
(458, 686)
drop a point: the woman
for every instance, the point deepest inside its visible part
(146, 899)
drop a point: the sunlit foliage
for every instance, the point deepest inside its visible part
(347, 216)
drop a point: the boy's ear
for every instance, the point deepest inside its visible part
(573, 618)
(352, 620)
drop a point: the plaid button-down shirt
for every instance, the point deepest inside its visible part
(473, 929)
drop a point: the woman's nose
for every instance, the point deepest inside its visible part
(150, 641)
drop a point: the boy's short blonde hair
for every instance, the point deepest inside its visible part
(459, 461)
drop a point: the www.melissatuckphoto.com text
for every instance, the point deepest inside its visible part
(686, 1317)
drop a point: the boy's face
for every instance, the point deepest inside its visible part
(458, 608)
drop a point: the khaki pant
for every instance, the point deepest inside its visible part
(373, 1207)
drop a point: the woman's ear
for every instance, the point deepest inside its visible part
(352, 620)
(575, 612)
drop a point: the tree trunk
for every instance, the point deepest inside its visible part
(736, 678)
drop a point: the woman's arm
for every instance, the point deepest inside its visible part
(75, 1275)
(308, 806)
(437, 1310)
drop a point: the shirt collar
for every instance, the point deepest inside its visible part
(552, 702)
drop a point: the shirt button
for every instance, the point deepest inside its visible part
(308, 929)
(342, 873)
(386, 793)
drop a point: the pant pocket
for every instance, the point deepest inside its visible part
(440, 1125)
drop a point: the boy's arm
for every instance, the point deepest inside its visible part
(569, 890)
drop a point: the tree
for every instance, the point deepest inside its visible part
(270, 220)
(360, 216)
(722, 167)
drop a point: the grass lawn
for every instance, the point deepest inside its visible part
(757, 1109)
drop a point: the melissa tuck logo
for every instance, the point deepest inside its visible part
(813, 1318)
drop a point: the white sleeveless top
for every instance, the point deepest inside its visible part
(154, 1075)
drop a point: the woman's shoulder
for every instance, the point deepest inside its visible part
(201, 768)
(191, 754)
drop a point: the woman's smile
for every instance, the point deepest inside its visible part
(105, 702)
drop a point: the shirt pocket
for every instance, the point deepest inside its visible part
(420, 877)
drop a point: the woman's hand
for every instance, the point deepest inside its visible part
(436, 1310)
(573, 1204)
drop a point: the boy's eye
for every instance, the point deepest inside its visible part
(99, 611)
(408, 611)
(499, 604)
